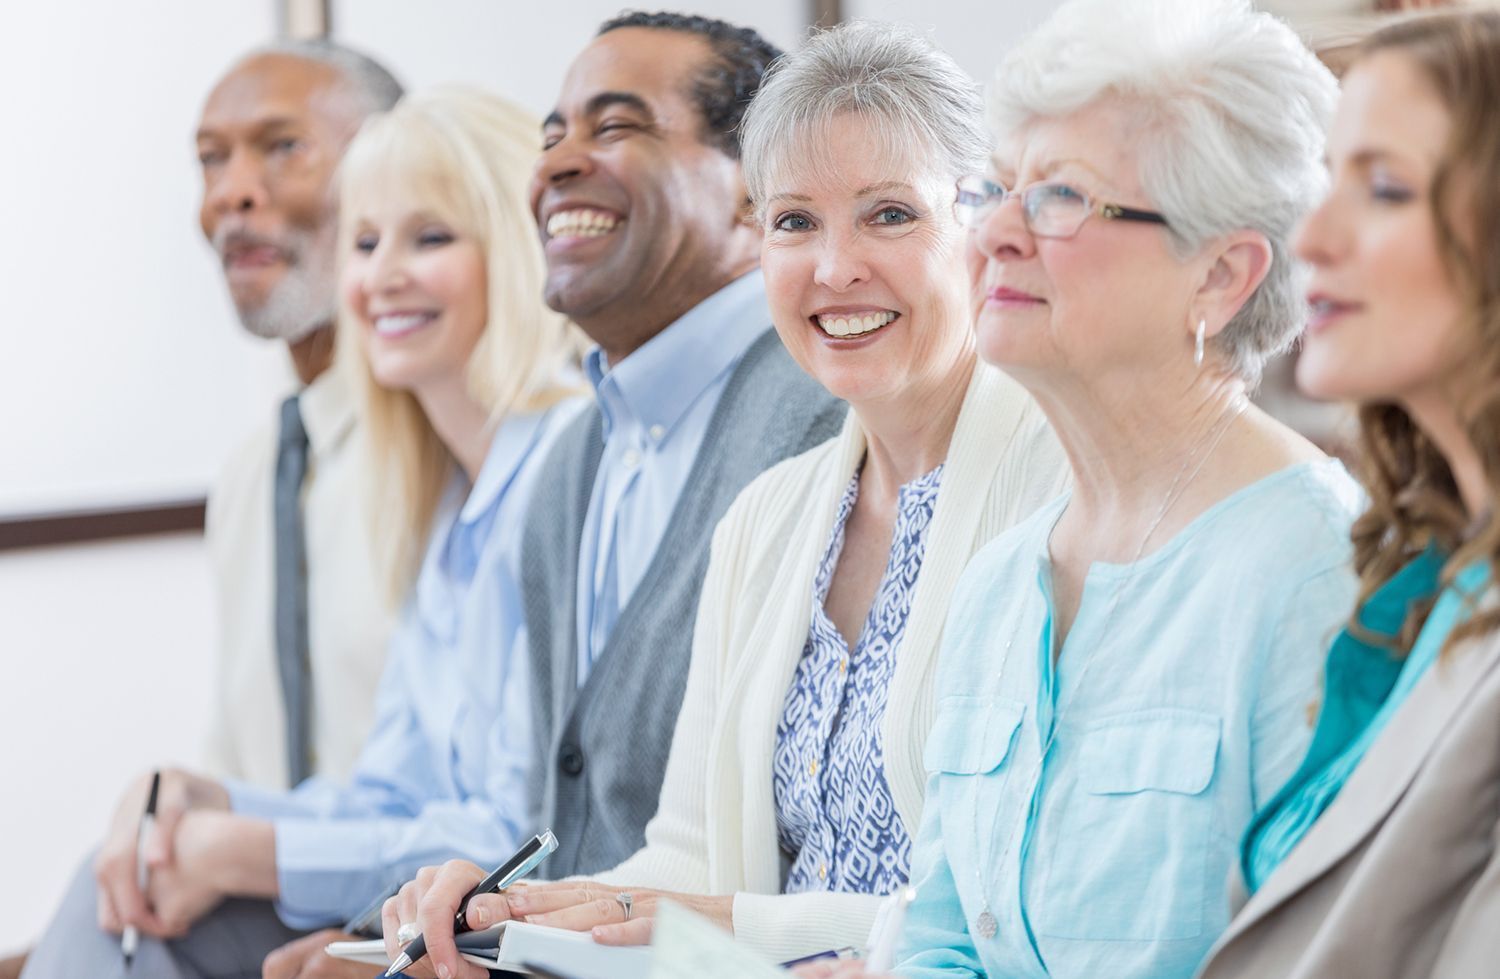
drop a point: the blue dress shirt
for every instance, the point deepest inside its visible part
(443, 772)
(655, 405)
(1365, 683)
(1175, 707)
(834, 810)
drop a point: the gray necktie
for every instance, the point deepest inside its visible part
(291, 592)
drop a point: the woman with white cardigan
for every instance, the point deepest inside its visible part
(796, 777)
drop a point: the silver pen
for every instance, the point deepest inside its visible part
(130, 939)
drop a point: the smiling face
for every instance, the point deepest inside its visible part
(863, 262)
(1386, 314)
(269, 140)
(416, 289)
(640, 218)
(1110, 298)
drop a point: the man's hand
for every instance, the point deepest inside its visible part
(206, 847)
(306, 959)
(120, 899)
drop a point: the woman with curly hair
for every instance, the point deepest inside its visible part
(1378, 859)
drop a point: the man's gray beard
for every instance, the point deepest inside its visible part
(305, 298)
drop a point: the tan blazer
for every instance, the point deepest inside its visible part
(1400, 877)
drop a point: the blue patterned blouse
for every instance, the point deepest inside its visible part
(834, 810)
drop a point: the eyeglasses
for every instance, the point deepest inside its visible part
(1052, 210)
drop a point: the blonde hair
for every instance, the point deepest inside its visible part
(467, 156)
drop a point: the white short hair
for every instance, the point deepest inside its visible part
(1233, 112)
(922, 109)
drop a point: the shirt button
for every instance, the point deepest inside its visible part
(843, 666)
(570, 759)
(822, 871)
(630, 459)
(812, 769)
(657, 433)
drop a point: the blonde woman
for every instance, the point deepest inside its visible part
(466, 378)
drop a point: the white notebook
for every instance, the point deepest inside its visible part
(514, 944)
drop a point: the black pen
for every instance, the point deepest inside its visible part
(521, 863)
(130, 938)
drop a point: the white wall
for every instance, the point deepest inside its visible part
(520, 50)
(106, 652)
(123, 375)
(977, 33)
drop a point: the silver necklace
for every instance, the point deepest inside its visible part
(986, 926)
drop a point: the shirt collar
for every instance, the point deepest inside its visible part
(327, 409)
(508, 449)
(659, 382)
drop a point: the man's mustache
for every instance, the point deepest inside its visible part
(229, 241)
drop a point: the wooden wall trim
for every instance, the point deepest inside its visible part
(79, 526)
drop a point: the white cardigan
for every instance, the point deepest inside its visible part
(715, 827)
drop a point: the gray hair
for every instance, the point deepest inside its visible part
(367, 79)
(1233, 113)
(922, 109)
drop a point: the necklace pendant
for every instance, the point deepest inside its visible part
(985, 925)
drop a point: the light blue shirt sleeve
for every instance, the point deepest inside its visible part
(338, 846)
(935, 942)
(1281, 725)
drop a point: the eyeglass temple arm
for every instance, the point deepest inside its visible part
(1115, 212)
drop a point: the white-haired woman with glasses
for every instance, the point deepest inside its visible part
(795, 779)
(1126, 676)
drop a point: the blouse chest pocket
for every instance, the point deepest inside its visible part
(1129, 856)
(971, 735)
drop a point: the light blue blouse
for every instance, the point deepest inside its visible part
(1365, 685)
(834, 810)
(443, 772)
(1177, 705)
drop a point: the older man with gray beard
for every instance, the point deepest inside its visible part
(302, 622)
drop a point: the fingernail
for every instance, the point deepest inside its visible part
(481, 916)
(443, 972)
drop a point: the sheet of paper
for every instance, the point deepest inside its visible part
(685, 945)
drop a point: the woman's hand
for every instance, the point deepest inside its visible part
(585, 905)
(429, 903)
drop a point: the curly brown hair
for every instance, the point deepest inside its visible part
(1414, 501)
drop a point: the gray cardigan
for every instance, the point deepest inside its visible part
(602, 748)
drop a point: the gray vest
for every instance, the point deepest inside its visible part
(602, 748)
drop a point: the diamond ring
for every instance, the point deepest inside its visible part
(625, 901)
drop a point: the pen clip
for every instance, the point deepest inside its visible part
(548, 844)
